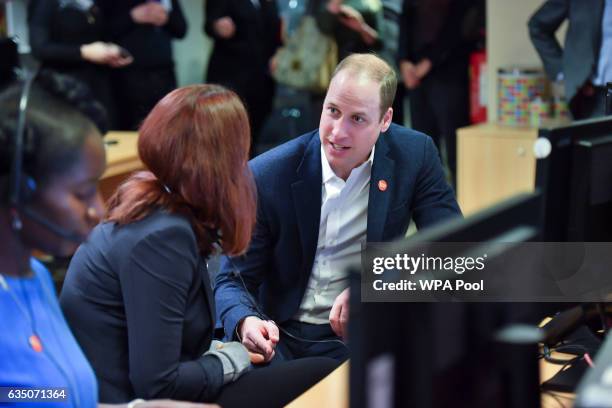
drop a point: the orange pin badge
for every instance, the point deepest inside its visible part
(35, 343)
(382, 185)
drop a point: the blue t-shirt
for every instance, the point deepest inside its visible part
(61, 363)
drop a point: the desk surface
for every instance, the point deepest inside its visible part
(122, 156)
(333, 390)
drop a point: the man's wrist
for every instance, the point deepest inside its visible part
(238, 328)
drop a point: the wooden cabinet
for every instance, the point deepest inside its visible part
(493, 163)
(121, 160)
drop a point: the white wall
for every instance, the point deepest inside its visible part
(16, 21)
(192, 52)
(508, 41)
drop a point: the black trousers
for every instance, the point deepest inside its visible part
(138, 90)
(309, 340)
(590, 102)
(275, 385)
(398, 104)
(438, 107)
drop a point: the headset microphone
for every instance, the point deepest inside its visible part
(51, 226)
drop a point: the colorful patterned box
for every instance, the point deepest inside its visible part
(517, 87)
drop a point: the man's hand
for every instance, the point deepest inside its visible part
(259, 336)
(118, 57)
(423, 68)
(333, 6)
(140, 14)
(350, 17)
(409, 74)
(273, 63)
(96, 52)
(157, 14)
(225, 27)
(339, 315)
(150, 13)
(104, 54)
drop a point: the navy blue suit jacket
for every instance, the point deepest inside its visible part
(279, 261)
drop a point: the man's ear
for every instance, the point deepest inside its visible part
(386, 119)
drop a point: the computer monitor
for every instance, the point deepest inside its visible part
(9, 60)
(449, 354)
(576, 182)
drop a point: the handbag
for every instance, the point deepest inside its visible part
(308, 59)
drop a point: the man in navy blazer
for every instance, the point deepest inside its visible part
(320, 196)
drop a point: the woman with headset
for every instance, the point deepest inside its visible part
(137, 294)
(51, 157)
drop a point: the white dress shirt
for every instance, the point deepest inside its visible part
(342, 230)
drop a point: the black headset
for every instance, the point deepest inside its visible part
(21, 185)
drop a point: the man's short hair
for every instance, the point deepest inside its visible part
(376, 69)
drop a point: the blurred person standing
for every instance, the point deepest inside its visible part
(246, 34)
(584, 63)
(392, 10)
(69, 36)
(433, 55)
(355, 25)
(145, 28)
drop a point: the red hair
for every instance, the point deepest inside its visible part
(195, 143)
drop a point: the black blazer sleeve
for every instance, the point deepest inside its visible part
(119, 18)
(155, 281)
(176, 25)
(121, 23)
(434, 199)
(450, 42)
(214, 10)
(43, 46)
(405, 41)
(542, 27)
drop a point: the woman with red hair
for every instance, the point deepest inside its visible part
(137, 294)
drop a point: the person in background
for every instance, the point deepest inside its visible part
(246, 34)
(145, 28)
(584, 64)
(392, 10)
(48, 202)
(69, 36)
(433, 59)
(358, 178)
(137, 293)
(355, 24)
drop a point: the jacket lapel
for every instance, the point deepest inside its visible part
(307, 199)
(210, 299)
(378, 201)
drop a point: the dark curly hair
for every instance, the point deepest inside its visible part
(60, 116)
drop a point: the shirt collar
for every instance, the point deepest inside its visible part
(328, 173)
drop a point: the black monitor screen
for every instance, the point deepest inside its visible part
(576, 180)
(443, 354)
